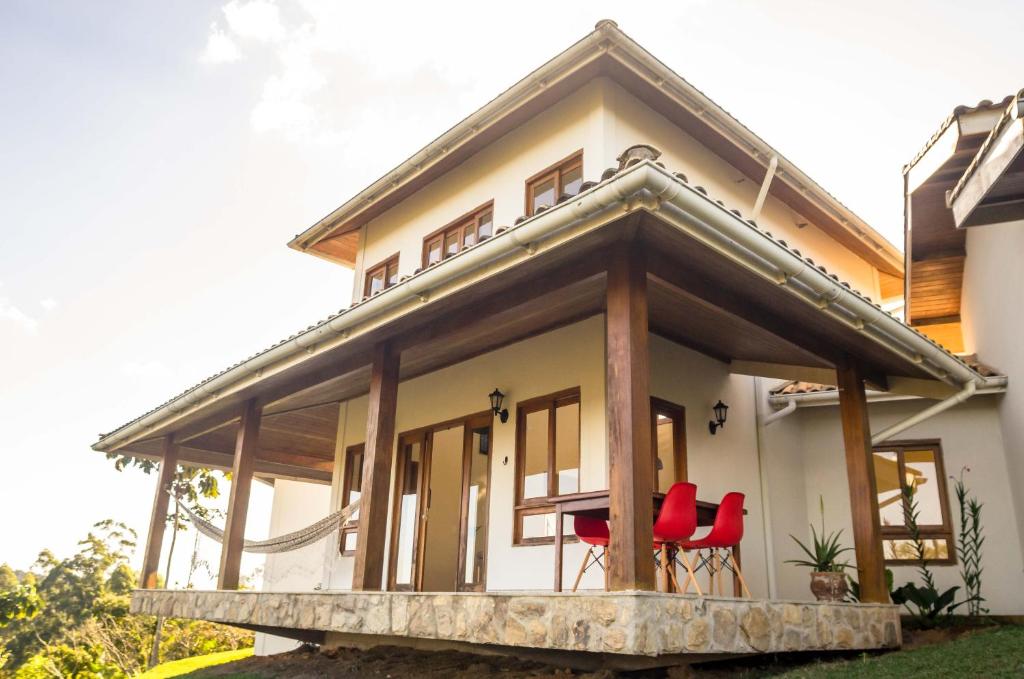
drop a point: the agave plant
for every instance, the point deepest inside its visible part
(825, 550)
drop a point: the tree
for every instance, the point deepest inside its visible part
(8, 578)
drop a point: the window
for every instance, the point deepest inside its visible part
(544, 188)
(669, 438)
(917, 465)
(381, 276)
(351, 485)
(465, 231)
(547, 462)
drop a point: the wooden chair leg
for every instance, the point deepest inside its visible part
(583, 567)
(739, 573)
(664, 561)
(690, 575)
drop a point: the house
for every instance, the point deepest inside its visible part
(550, 300)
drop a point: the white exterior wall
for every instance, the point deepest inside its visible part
(805, 458)
(603, 120)
(296, 505)
(993, 327)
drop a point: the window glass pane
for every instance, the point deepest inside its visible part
(433, 251)
(469, 235)
(451, 243)
(376, 282)
(350, 541)
(485, 226)
(543, 194)
(535, 460)
(392, 273)
(665, 463)
(354, 473)
(904, 550)
(567, 448)
(538, 525)
(408, 510)
(476, 521)
(922, 477)
(890, 495)
(572, 180)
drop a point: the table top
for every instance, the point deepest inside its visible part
(595, 504)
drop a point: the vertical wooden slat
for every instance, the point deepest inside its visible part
(246, 446)
(158, 517)
(373, 501)
(631, 482)
(860, 472)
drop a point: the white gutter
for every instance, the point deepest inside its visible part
(644, 185)
(779, 414)
(968, 391)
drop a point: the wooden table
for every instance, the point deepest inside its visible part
(596, 504)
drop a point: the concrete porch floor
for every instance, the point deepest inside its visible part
(628, 629)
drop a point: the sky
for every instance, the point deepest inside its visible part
(155, 158)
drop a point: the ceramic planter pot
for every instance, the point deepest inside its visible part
(829, 586)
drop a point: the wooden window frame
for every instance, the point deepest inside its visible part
(384, 266)
(346, 490)
(678, 415)
(540, 505)
(467, 223)
(930, 532)
(556, 171)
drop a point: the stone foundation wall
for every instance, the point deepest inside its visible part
(631, 623)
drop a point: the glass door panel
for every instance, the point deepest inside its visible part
(407, 512)
(474, 544)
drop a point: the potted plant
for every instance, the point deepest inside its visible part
(828, 579)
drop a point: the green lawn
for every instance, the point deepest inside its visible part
(993, 653)
(176, 668)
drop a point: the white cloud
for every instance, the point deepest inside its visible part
(49, 304)
(11, 313)
(220, 48)
(255, 19)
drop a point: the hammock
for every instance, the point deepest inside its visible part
(283, 543)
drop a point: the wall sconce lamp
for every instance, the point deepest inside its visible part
(721, 410)
(496, 398)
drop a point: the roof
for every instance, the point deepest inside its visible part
(296, 345)
(606, 42)
(961, 110)
(799, 387)
(1010, 112)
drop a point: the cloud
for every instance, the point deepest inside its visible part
(255, 19)
(49, 304)
(220, 48)
(12, 314)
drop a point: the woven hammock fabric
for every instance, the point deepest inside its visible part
(288, 542)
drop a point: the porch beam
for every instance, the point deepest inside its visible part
(246, 448)
(860, 472)
(371, 539)
(631, 482)
(158, 517)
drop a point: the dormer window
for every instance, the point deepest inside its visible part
(465, 231)
(381, 277)
(544, 188)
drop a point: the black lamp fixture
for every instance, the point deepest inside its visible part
(721, 410)
(496, 398)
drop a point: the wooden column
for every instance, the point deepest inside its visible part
(631, 476)
(246, 445)
(158, 518)
(371, 539)
(860, 471)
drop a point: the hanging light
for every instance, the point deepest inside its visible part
(496, 399)
(721, 411)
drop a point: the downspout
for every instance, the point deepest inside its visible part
(761, 421)
(968, 391)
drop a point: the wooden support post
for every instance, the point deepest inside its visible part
(631, 475)
(158, 518)
(371, 541)
(860, 471)
(246, 447)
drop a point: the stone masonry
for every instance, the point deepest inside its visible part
(630, 623)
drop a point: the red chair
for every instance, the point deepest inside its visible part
(593, 532)
(725, 534)
(676, 523)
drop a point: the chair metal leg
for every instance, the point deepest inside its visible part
(583, 567)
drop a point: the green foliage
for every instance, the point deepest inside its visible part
(929, 607)
(18, 604)
(823, 556)
(8, 578)
(83, 627)
(968, 546)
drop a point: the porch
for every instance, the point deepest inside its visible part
(627, 630)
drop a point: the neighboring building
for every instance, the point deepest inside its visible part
(616, 254)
